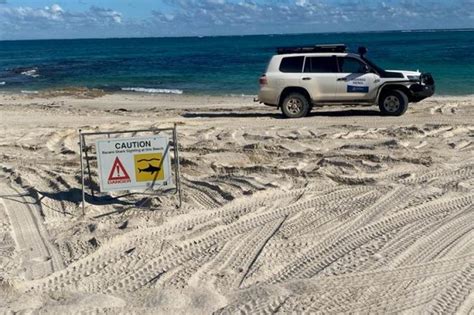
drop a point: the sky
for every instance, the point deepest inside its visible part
(51, 19)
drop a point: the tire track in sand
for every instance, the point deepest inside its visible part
(233, 263)
(454, 295)
(112, 252)
(194, 247)
(39, 257)
(316, 259)
(338, 294)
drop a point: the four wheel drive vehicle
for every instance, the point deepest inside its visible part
(299, 78)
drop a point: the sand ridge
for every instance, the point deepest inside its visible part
(342, 211)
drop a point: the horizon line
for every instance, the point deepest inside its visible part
(237, 35)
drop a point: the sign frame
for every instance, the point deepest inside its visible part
(172, 147)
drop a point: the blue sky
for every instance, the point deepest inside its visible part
(39, 19)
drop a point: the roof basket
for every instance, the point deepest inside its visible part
(312, 49)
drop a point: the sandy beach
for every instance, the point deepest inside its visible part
(341, 211)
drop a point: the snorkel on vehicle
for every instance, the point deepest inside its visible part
(362, 51)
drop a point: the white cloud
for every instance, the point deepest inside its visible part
(26, 21)
(55, 8)
(221, 17)
(107, 15)
(247, 16)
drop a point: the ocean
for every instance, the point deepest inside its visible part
(229, 65)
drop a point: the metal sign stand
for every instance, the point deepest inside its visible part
(83, 154)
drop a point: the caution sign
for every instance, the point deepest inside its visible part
(134, 163)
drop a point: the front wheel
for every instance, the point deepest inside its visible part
(393, 103)
(295, 105)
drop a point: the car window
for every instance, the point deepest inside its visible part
(351, 65)
(292, 64)
(320, 65)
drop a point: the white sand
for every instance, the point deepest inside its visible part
(341, 211)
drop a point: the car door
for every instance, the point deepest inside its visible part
(319, 77)
(355, 82)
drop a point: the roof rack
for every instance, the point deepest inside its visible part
(312, 49)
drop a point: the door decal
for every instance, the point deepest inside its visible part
(357, 89)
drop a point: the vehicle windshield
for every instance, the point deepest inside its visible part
(374, 66)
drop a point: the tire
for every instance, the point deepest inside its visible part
(393, 103)
(295, 105)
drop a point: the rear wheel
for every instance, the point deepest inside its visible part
(295, 105)
(393, 103)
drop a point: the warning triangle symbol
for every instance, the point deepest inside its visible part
(118, 172)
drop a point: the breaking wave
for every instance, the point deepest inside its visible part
(241, 95)
(31, 73)
(29, 92)
(149, 90)
(3, 82)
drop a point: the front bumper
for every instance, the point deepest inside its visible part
(424, 89)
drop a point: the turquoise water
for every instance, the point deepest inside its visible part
(219, 65)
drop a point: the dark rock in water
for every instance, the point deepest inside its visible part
(121, 110)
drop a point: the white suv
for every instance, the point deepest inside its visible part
(299, 77)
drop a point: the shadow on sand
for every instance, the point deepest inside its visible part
(74, 195)
(231, 115)
(276, 115)
(346, 113)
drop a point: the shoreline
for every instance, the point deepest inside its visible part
(77, 91)
(97, 92)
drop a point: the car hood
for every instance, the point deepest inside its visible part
(406, 73)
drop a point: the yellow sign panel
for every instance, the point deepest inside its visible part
(149, 167)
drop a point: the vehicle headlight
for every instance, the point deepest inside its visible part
(413, 77)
